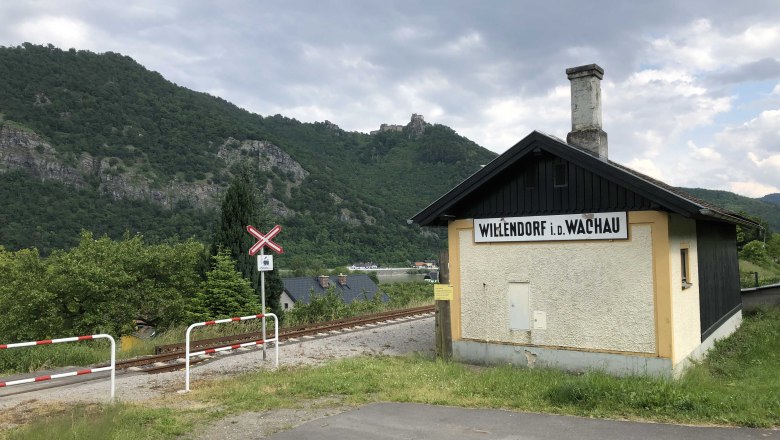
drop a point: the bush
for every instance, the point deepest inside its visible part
(755, 252)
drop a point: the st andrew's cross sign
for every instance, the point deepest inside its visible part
(264, 239)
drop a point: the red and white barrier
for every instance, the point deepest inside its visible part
(262, 342)
(111, 367)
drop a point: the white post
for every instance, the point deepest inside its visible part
(113, 365)
(187, 358)
(262, 298)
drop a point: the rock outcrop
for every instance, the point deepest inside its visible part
(24, 150)
(267, 156)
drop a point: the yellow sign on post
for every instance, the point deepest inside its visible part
(442, 292)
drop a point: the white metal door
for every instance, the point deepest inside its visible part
(519, 306)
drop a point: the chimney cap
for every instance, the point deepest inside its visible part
(586, 70)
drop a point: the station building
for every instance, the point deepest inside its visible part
(562, 258)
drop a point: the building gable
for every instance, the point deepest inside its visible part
(543, 183)
(544, 175)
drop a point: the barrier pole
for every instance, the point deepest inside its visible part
(264, 342)
(111, 367)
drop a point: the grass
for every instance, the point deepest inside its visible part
(738, 384)
(117, 421)
(767, 274)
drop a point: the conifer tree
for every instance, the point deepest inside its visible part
(225, 292)
(243, 205)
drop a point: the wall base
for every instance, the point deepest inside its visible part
(726, 329)
(479, 352)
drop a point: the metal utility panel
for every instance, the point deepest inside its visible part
(519, 306)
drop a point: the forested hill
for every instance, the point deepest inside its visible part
(763, 208)
(96, 141)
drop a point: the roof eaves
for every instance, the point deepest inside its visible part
(436, 209)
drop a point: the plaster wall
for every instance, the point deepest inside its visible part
(597, 295)
(726, 329)
(285, 298)
(686, 320)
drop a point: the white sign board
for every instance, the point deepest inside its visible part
(265, 263)
(599, 226)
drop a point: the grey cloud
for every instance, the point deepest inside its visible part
(761, 70)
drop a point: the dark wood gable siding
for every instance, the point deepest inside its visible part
(719, 294)
(527, 188)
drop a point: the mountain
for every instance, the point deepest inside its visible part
(761, 207)
(97, 141)
(773, 198)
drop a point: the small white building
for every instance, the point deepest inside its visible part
(560, 257)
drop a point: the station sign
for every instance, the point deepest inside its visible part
(596, 226)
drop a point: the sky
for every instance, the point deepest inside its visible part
(690, 95)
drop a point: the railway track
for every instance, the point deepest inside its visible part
(171, 357)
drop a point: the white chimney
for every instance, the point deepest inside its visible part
(586, 131)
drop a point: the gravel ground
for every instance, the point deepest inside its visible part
(395, 338)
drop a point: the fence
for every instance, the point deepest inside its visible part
(111, 367)
(187, 353)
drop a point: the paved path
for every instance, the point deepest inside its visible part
(413, 421)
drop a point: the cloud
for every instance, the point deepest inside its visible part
(61, 31)
(752, 189)
(673, 95)
(763, 69)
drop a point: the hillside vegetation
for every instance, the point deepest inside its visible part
(122, 134)
(136, 126)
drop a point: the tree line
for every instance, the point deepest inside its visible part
(103, 285)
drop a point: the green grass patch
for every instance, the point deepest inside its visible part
(737, 384)
(117, 421)
(768, 273)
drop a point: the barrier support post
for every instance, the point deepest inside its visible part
(111, 367)
(188, 334)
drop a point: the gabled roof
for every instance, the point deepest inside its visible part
(665, 196)
(358, 287)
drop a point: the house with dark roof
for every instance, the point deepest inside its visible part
(299, 290)
(560, 257)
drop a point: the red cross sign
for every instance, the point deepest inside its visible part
(264, 240)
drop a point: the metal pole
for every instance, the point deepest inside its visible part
(113, 366)
(262, 298)
(187, 358)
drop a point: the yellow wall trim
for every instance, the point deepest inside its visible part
(453, 238)
(659, 224)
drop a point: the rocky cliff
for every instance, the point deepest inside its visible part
(22, 149)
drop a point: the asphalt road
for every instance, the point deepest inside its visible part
(413, 421)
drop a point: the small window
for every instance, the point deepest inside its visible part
(685, 270)
(560, 175)
(286, 306)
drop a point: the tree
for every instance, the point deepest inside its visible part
(226, 293)
(773, 247)
(104, 285)
(29, 308)
(746, 235)
(755, 252)
(243, 206)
